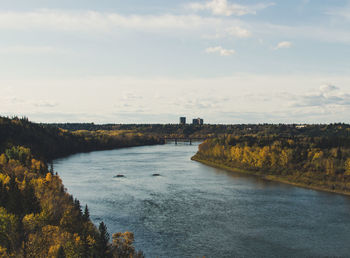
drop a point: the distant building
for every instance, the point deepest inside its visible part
(197, 121)
(182, 120)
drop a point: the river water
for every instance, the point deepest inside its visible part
(192, 210)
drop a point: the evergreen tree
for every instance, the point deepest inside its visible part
(3, 195)
(61, 253)
(30, 202)
(86, 215)
(77, 206)
(14, 204)
(51, 168)
(103, 240)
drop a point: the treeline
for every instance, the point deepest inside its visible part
(322, 161)
(156, 130)
(217, 130)
(48, 142)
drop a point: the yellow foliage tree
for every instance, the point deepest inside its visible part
(347, 167)
(48, 177)
(3, 159)
(5, 179)
(123, 244)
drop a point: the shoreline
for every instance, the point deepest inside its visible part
(101, 149)
(273, 178)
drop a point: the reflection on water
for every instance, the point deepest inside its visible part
(192, 210)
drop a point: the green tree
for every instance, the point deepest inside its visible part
(14, 204)
(9, 235)
(86, 215)
(103, 240)
(61, 253)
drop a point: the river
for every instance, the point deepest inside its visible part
(192, 210)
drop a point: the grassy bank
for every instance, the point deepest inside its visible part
(277, 178)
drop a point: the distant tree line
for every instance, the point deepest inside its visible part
(48, 142)
(216, 130)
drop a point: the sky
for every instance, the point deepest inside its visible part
(136, 61)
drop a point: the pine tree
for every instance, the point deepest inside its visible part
(86, 215)
(3, 195)
(30, 202)
(103, 240)
(61, 253)
(51, 168)
(14, 204)
(77, 206)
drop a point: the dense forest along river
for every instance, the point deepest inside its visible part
(192, 210)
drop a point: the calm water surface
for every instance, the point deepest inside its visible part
(193, 210)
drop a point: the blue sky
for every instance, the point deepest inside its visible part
(228, 61)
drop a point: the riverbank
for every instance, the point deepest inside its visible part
(275, 178)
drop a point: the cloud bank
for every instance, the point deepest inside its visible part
(326, 96)
(243, 98)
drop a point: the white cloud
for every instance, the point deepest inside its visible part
(222, 51)
(230, 30)
(28, 50)
(238, 32)
(283, 44)
(222, 7)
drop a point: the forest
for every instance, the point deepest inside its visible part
(38, 218)
(317, 157)
(48, 142)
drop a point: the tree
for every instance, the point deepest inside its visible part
(123, 245)
(3, 195)
(3, 159)
(9, 237)
(30, 202)
(51, 168)
(77, 206)
(86, 215)
(347, 167)
(61, 253)
(14, 204)
(19, 153)
(103, 240)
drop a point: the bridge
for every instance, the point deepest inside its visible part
(183, 139)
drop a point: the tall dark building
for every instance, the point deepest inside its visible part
(197, 121)
(182, 120)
